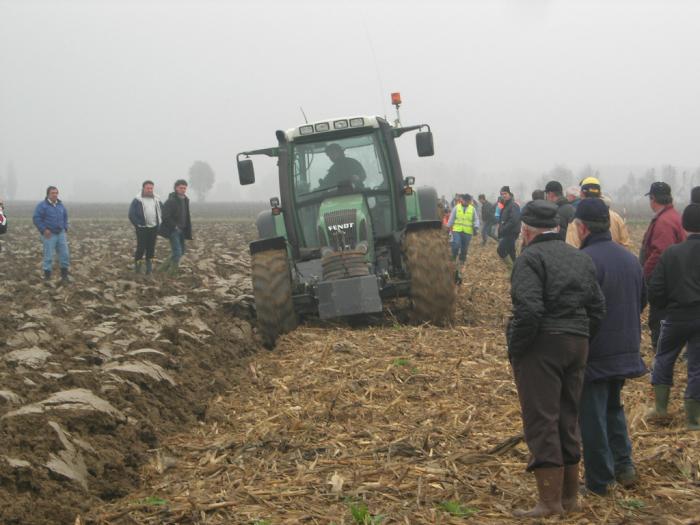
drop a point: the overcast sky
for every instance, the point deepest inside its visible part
(97, 95)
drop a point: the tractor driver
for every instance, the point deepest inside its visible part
(345, 170)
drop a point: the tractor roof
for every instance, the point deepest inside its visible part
(333, 124)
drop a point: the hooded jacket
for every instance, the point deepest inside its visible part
(172, 211)
(614, 351)
(137, 215)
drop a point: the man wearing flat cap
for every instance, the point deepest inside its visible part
(591, 189)
(674, 288)
(665, 229)
(557, 306)
(613, 354)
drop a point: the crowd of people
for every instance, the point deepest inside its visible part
(574, 335)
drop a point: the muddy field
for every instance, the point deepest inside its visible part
(126, 400)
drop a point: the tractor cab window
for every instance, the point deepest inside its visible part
(350, 164)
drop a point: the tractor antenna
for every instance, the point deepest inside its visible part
(306, 121)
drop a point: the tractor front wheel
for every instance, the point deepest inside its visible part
(431, 272)
(272, 288)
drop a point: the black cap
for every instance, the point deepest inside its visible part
(506, 189)
(695, 195)
(466, 197)
(554, 187)
(691, 218)
(593, 211)
(659, 188)
(540, 214)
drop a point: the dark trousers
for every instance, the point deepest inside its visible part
(656, 315)
(506, 247)
(607, 450)
(486, 232)
(549, 377)
(675, 334)
(460, 245)
(145, 242)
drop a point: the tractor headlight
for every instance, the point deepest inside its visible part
(357, 122)
(340, 124)
(323, 126)
(362, 247)
(306, 130)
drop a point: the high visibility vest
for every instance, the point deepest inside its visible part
(464, 220)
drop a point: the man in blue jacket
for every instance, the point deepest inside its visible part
(51, 219)
(613, 354)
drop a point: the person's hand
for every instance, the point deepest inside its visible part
(47, 233)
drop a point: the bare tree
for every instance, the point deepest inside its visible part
(201, 179)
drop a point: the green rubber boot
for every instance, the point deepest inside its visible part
(692, 414)
(661, 395)
(138, 267)
(164, 266)
(149, 266)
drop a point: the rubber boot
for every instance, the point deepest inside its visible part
(627, 478)
(570, 489)
(149, 266)
(661, 395)
(138, 266)
(692, 414)
(165, 265)
(174, 268)
(549, 490)
(65, 278)
(47, 275)
(508, 262)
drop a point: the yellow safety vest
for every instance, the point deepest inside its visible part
(464, 220)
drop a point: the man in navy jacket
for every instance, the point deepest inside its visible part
(613, 354)
(51, 219)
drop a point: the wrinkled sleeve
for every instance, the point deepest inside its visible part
(622, 234)
(38, 218)
(527, 292)
(572, 237)
(656, 289)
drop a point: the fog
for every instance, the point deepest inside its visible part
(96, 96)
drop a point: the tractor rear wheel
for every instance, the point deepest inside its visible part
(272, 288)
(431, 272)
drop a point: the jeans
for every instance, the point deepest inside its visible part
(656, 315)
(674, 334)
(145, 242)
(177, 246)
(460, 245)
(58, 242)
(607, 450)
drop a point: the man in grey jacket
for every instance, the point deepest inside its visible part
(557, 306)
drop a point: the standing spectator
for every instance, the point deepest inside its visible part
(573, 195)
(176, 225)
(51, 219)
(488, 219)
(665, 229)
(590, 189)
(613, 354)
(538, 195)
(553, 193)
(464, 221)
(145, 214)
(674, 288)
(695, 195)
(508, 227)
(3, 220)
(557, 306)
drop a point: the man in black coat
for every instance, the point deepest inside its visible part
(613, 354)
(675, 287)
(176, 225)
(554, 192)
(508, 227)
(488, 219)
(557, 306)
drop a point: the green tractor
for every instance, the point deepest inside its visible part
(348, 231)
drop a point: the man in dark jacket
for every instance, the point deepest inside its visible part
(664, 230)
(554, 192)
(613, 354)
(51, 219)
(675, 288)
(176, 225)
(508, 228)
(695, 195)
(557, 306)
(145, 214)
(488, 219)
(3, 220)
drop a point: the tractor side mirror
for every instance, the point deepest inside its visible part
(424, 144)
(246, 172)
